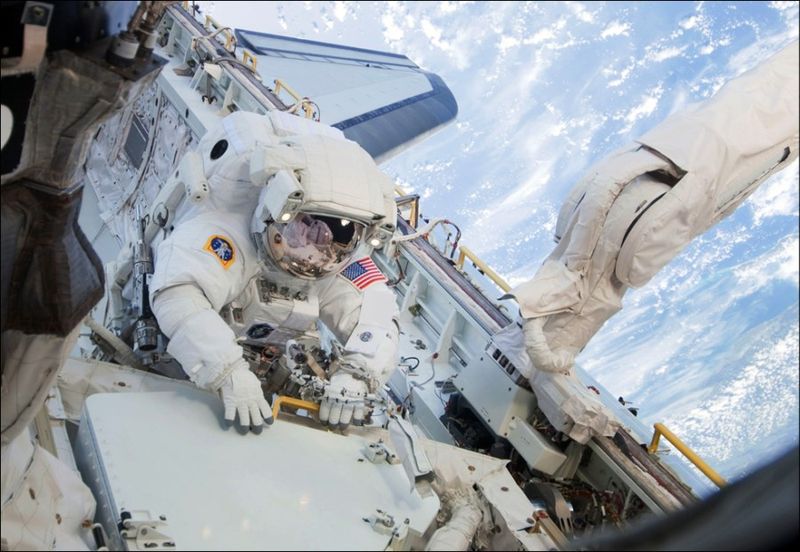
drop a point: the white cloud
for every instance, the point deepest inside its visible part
(780, 263)
(665, 53)
(778, 196)
(691, 22)
(784, 6)
(450, 7)
(622, 75)
(507, 42)
(581, 12)
(541, 36)
(392, 31)
(616, 28)
(643, 109)
(339, 10)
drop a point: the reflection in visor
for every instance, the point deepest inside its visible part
(311, 246)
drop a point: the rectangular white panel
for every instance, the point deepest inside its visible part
(291, 488)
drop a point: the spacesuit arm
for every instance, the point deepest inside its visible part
(200, 339)
(191, 283)
(365, 321)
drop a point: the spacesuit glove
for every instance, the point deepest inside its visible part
(343, 400)
(542, 357)
(242, 396)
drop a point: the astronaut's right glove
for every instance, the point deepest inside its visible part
(242, 396)
(343, 400)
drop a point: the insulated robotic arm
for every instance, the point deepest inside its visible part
(639, 208)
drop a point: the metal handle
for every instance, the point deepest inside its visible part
(708, 471)
(295, 403)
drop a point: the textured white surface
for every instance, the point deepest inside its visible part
(292, 487)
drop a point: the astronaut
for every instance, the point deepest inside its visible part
(637, 209)
(283, 216)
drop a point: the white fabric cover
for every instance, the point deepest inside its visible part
(571, 407)
(45, 503)
(31, 363)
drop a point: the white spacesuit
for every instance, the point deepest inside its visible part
(637, 209)
(278, 234)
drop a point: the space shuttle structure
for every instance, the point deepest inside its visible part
(472, 428)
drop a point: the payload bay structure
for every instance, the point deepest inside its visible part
(465, 444)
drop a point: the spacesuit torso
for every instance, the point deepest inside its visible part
(211, 256)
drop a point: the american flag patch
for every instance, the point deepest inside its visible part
(362, 273)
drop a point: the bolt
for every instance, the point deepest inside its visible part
(471, 468)
(162, 517)
(504, 489)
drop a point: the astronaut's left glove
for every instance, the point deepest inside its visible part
(343, 400)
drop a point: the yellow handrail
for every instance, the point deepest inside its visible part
(299, 100)
(708, 471)
(413, 201)
(465, 253)
(295, 403)
(250, 60)
(212, 24)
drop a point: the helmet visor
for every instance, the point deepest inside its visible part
(311, 246)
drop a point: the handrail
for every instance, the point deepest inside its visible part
(291, 401)
(250, 60)
(708, 471)
(213, 24)
(413, 200)
(465, 253)
(302, 101)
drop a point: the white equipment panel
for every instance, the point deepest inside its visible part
(293, 487)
